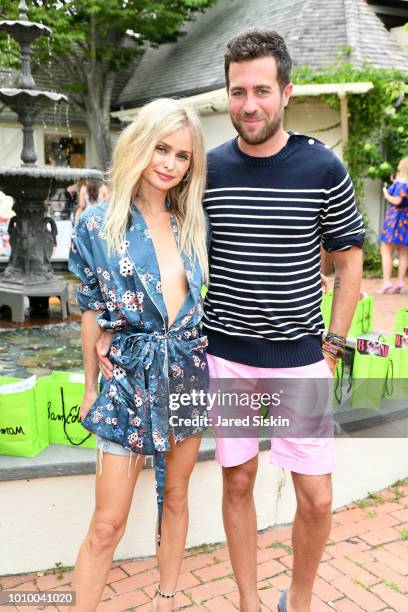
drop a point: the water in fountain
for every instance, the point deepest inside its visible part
(40, 350)
(32, 235)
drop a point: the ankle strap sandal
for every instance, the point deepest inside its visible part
(164, 595)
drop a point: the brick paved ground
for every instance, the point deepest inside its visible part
(385, 306)
(365, 567)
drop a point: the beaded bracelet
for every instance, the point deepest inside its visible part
(336, 339)
(164, 595)
(334, 345)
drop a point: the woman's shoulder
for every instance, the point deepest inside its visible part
(93, 215)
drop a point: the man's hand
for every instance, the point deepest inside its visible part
(324, 282)
(90, 397)
(102, 350)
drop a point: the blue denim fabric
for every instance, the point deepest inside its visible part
(106, 446)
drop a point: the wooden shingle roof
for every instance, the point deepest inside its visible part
(315, 31)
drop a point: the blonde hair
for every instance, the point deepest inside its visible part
(133, 152)
(403, 168)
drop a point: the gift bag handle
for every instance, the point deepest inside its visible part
(65, 424)
(389, 391)
(364, 301)
(338, 389)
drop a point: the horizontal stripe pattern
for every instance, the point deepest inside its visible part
(267, 223)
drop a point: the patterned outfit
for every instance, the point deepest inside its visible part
(395, 228)
(133, 408)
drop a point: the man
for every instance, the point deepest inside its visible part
(272, 198)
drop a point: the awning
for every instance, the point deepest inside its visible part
(216, 101)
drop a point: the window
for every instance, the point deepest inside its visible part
(64, 151)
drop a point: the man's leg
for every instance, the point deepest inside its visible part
(239, 514)
(310, 532)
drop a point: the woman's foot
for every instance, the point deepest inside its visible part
(398, 287)
(386, 288)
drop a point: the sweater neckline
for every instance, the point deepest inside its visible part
(265, 161)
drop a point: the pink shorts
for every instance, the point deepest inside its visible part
(312, 456)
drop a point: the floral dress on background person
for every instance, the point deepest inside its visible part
(148, 357)
(395, 228)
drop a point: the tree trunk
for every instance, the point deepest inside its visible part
(98, 102)
(99, 126)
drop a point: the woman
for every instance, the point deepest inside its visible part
(142, 260)
(395, 230)
(91, 193)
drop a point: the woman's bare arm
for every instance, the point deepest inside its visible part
(396, 200)
(90, 332)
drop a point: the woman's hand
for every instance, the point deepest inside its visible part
(89, 398)
(102, 348)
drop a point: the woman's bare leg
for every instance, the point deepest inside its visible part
(386, 256)
(403, 263)
(113, 491)
(179, 465)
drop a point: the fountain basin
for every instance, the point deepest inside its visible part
(31, 101)
(24, 31)
(36, 183)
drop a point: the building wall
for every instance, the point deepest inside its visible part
(401, 35)
(11, 142)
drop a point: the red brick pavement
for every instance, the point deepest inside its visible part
(365, 567)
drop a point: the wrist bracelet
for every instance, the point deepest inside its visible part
(330, 355)
(335, 350)
(332, 337)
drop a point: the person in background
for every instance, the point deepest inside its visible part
(91, 193)
(395, 230)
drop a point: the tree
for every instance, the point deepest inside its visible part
(92, 41)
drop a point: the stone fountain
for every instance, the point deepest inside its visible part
(32, 233)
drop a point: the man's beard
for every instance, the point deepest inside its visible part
(268, 130)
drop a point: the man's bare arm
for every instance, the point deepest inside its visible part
(346, 291)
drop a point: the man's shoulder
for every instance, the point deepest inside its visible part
(93, 217)
(318, 154)
(220, 151)
(312, 144)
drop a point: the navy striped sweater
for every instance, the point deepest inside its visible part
(268, 217)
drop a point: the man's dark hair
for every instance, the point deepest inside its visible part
(259, 42)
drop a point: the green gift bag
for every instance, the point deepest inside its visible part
(363, 317)
(23, 417)
(371, 376)
(64, 395)
(399, 359)
(401, 320)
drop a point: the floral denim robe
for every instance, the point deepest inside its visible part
(133, 408)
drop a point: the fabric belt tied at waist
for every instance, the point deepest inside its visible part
(141, 348)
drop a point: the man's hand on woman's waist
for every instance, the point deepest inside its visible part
(102, 350)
